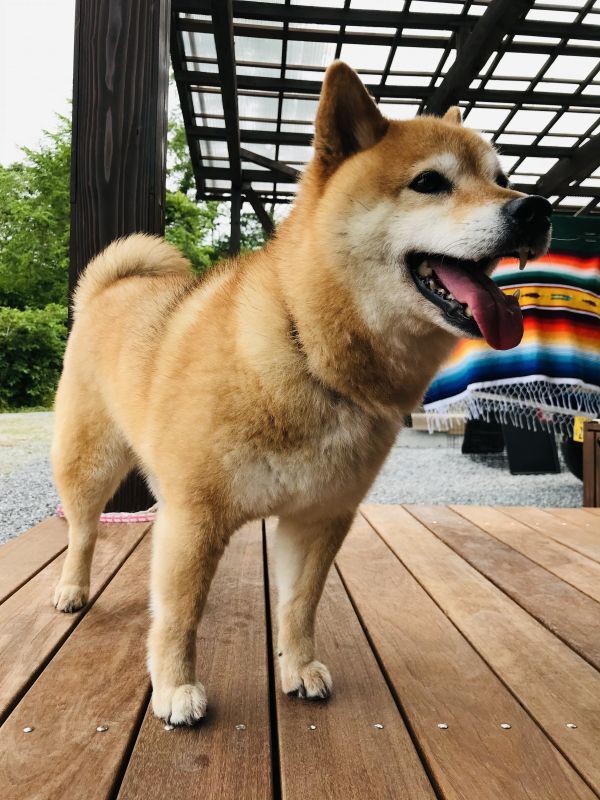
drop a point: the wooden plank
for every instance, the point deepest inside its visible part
(31, 628)
(98, 678)
(564, 610)
(580, 517)
(440, 678)
(23, 557)
(345, 757)
(568, 564)
(232, 663)
(574, 531)
(554, 684)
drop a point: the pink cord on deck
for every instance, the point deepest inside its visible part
(119, 516)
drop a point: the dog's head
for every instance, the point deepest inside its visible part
(419, 212)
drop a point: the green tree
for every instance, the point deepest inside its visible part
(32, 344)
(34, 223)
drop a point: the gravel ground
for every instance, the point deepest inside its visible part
(420, 469)
(424, 468)
(27, 492)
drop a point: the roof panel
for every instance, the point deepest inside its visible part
(365, 56)
(254, 48)
(574, 67)
(421, 59)
(382, 5)
(319, 54)
(296, 108)
(528, 120)
(489, 119)
(535, 165)
(554, 16)
(520, 65)
(574, 122)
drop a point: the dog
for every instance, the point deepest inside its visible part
(276, 384)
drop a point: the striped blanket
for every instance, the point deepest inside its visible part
(554, 374)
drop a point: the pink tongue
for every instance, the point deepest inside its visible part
(498, 315)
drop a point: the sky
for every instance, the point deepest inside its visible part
(36, 70)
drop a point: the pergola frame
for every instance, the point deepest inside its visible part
(504, 27)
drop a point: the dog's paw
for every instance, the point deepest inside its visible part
(69, 597)
(180, 705)
(311, 681)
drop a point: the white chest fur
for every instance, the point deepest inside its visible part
(332, 467)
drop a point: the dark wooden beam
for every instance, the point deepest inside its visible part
(581, 163)
(316, 15)
(186, 104)
(428, 39)
(269, 163)
(118, 158)
(485, 37)
(307, 14)
(236, 209)
(258, 83)
(222, 19)
(258, 208)
(250, 175)
(249, 136)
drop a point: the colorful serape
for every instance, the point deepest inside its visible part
(554, 374)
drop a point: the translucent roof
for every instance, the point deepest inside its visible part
(249, 83)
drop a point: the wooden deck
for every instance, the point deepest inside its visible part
(442, 627)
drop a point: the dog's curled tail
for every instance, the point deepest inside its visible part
(139, 254)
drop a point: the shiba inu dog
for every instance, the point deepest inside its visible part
(276, 384)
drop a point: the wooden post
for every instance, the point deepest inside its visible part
(118, 157)
(591, 464)
(236, 209)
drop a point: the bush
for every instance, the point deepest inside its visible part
(32, 345)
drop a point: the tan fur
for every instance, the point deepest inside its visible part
(274, 386)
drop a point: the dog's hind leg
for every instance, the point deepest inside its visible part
(89, 458)
(188, 542)
(303, 555)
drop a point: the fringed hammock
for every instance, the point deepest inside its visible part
(554, 374)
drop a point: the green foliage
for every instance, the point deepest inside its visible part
(191, 226)
(34, 223)
(32, 344)
(179, 165)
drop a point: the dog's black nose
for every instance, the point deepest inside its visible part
(532, 214)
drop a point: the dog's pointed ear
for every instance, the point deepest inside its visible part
(347, 118)
(453, 116)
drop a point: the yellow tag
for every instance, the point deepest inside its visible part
(578, 428)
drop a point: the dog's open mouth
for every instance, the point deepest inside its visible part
(469, 298)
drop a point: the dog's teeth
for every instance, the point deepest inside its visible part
(468, 312)
(523, 253)
(517, 293)
(424, 269)
(451, 296)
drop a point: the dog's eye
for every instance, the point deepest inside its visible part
(502, 180)
(430, 182)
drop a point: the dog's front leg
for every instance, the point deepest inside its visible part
(187, 547)
(303, 555)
